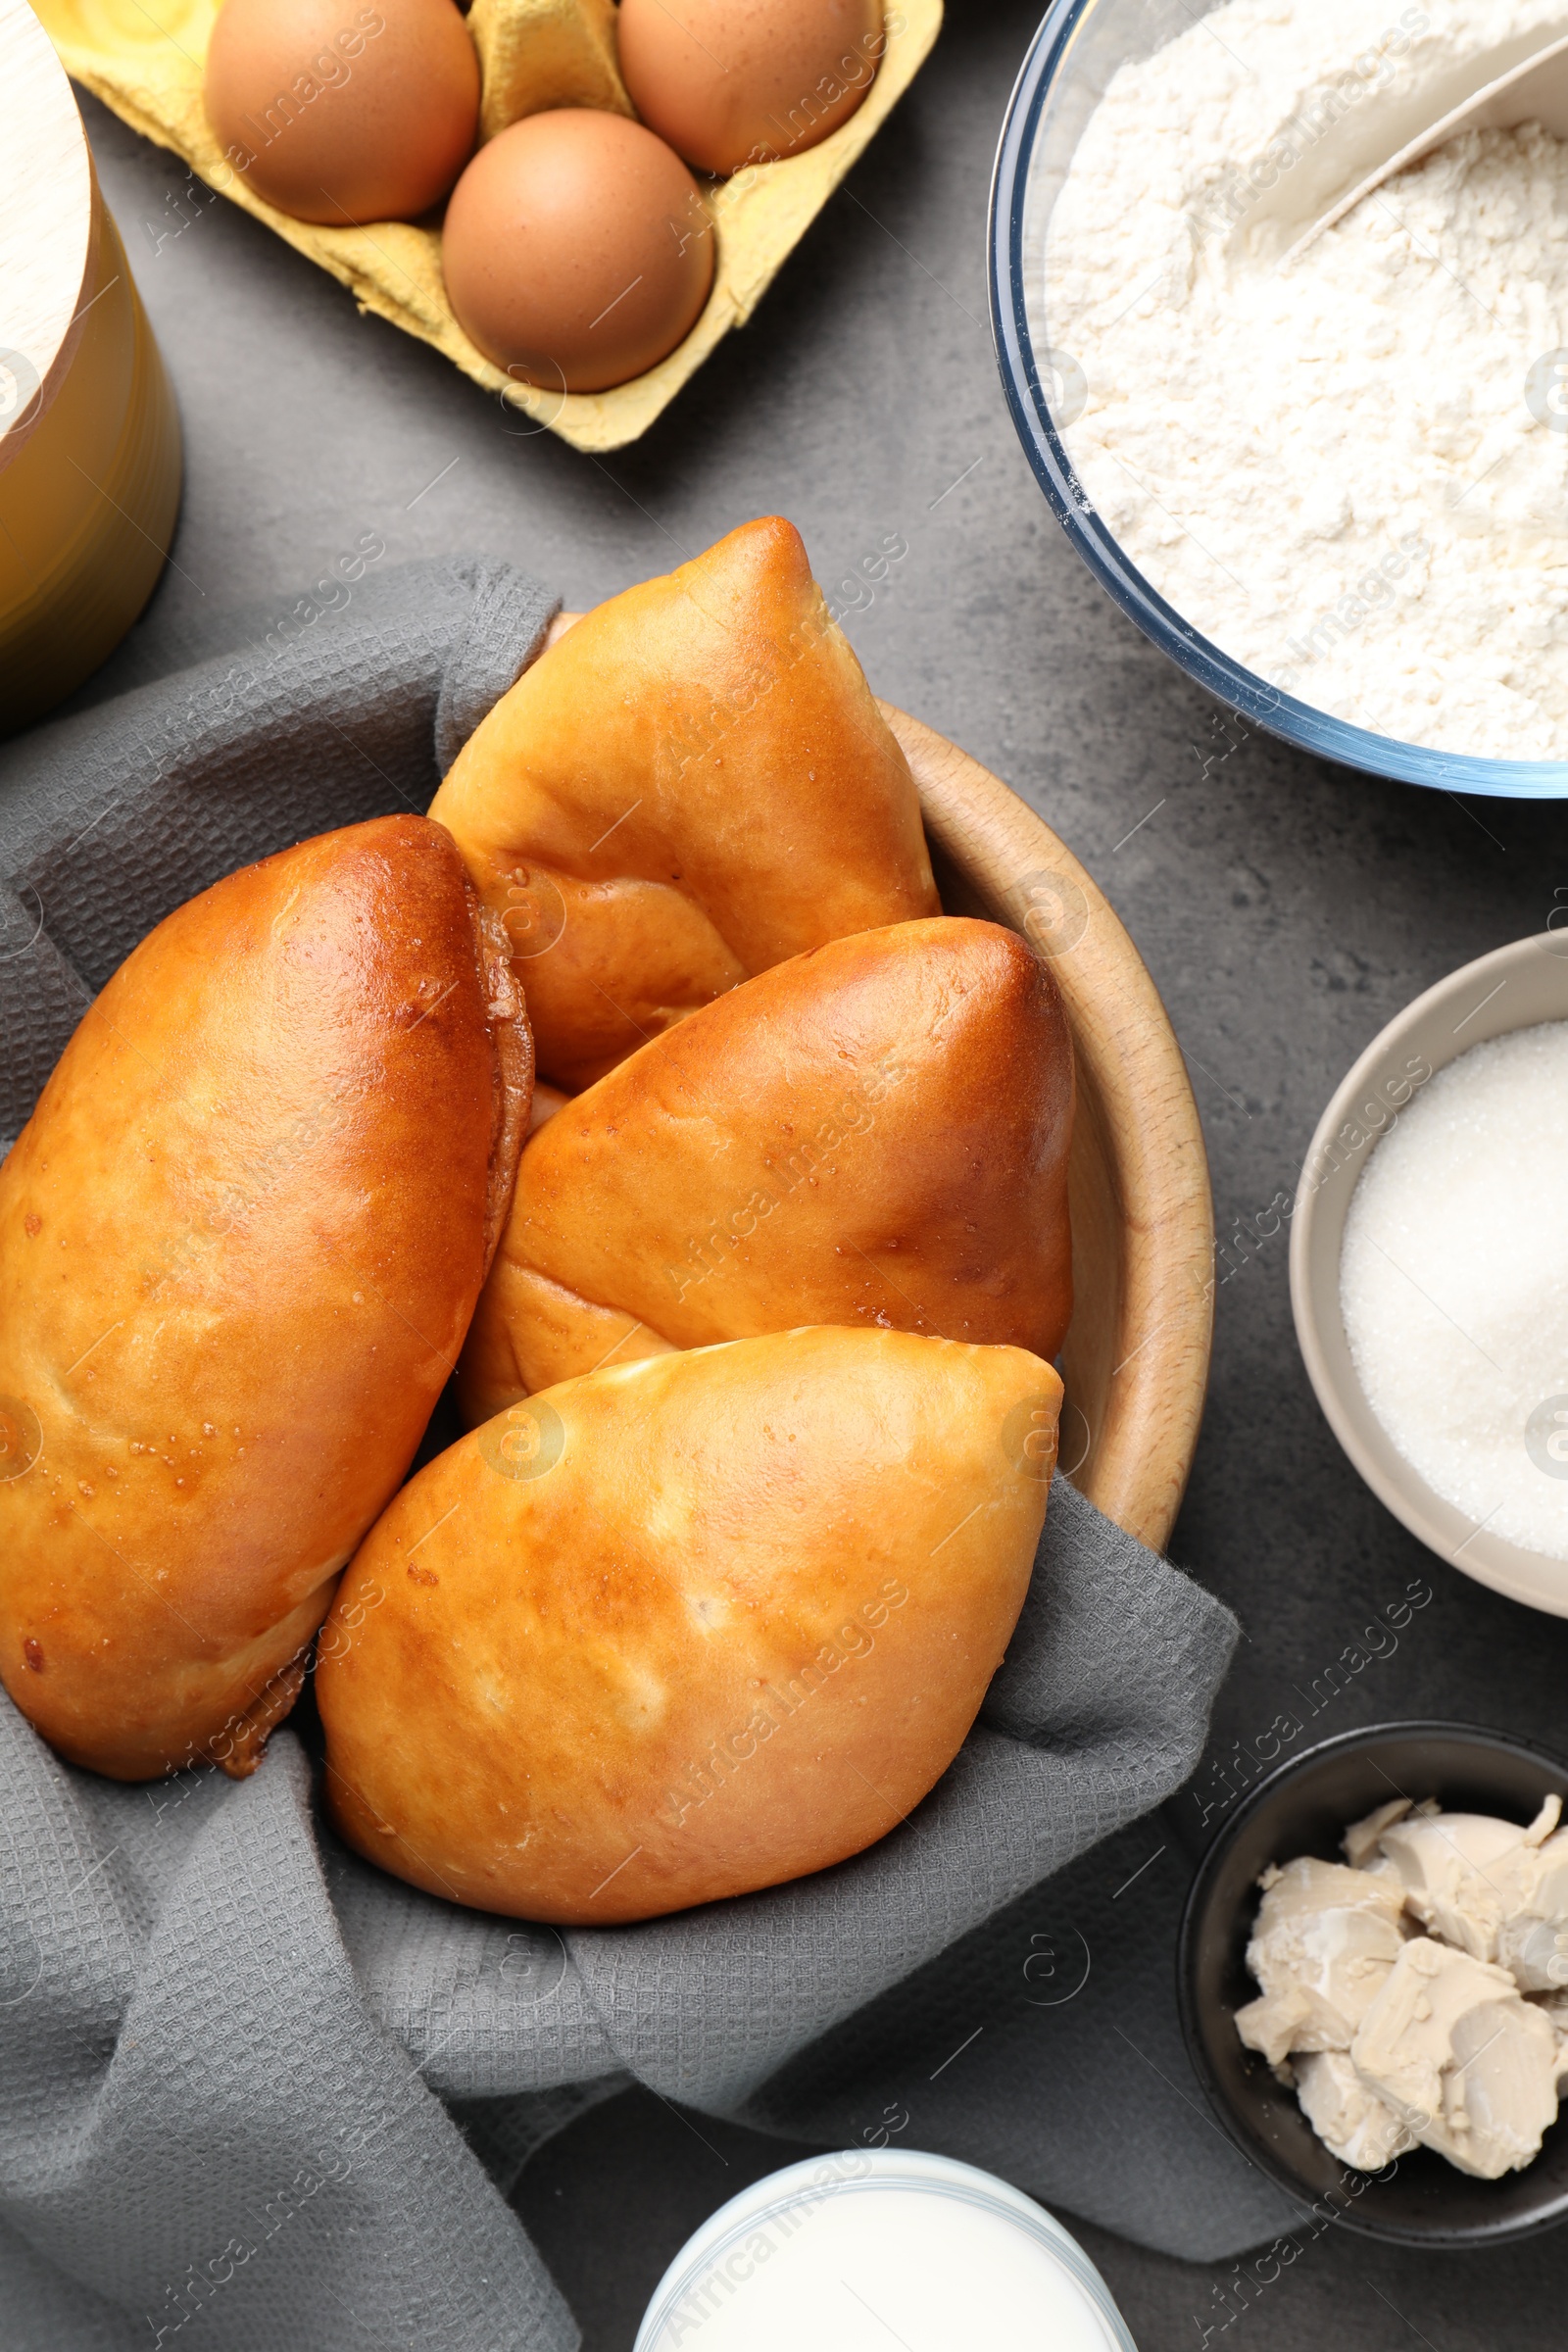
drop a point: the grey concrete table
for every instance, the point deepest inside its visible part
(1286, 911)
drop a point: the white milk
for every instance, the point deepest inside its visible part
(865, 2251)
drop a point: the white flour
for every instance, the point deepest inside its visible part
(1342, 470)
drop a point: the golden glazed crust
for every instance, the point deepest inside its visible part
(240, 1241)
(691, 785)
(681, 1629)
(876, 1132)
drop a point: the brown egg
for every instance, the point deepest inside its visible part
(735, 81)
(341, 115)
(577, 250)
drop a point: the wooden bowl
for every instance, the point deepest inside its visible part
(1136, 1358)
(89, 438)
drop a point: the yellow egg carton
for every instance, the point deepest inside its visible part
(145, 62)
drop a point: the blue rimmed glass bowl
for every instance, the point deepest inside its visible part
(1073, 56)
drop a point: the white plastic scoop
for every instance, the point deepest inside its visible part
(1535, 91)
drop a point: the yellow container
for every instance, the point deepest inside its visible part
(533, 54)
(89, 436)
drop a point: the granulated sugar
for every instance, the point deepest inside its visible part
(1453, 1284)
(1349, 470)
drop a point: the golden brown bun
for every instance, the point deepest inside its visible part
(874, 1133)
(240, 1240)
(686, 1628)
(691, 785)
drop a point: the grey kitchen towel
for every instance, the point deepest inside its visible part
(255, 2095)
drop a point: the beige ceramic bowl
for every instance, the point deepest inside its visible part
(1513, 988)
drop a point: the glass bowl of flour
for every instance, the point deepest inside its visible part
(1334, 487)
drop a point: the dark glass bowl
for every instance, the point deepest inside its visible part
(1303, 1808)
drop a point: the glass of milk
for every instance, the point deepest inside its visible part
(869, 2249)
